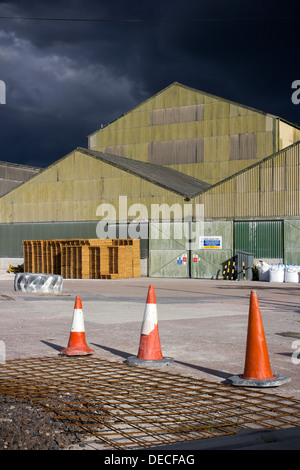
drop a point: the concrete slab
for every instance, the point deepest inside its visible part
(281, 439)
(202, 323)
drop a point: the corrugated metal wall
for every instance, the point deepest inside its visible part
(12, 235)
(268, 189)
(262, 238)
(199, 134)
(175, 115)
(176, 151)
(13, 175)
(292, 241)
(74, 187)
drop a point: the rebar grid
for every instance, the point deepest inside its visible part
(129, 407)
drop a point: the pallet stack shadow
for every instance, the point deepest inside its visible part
(83, 258)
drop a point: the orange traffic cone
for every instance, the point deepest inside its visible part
(257, 364)
(149, 348)
(257, 370)
(77, 345)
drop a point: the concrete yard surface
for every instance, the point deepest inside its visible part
(202, 323)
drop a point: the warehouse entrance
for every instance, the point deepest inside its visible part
(169, 249)
(265, 239)
(175, 249)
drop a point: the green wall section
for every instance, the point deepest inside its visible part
(292, 241)
(264, 238)
(11, 235)
(164, 250)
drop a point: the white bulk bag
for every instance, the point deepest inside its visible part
(276, 273)
(291, 274)
(263, 271)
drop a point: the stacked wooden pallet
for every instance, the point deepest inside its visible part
(83, 258)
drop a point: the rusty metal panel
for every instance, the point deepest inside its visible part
(234, 143)
(174, 152)
(176, 115)
(243, 146)
(116, 150)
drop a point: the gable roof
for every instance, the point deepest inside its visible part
(194, 90)
(12, 175)
(167, 178)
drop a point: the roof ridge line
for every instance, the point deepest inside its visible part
(179, 183)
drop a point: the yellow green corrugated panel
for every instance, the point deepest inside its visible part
(221, 117)
(63, 199)
(271, 188)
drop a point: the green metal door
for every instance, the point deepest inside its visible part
(291, 241)
(262, 238)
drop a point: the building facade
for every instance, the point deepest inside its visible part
(195, 133)
(195, 176)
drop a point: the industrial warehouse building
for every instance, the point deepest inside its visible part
(184, 151)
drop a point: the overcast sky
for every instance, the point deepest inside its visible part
(65, 78)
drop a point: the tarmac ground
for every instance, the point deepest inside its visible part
(202, 325)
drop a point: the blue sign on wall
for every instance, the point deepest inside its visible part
(210, 243)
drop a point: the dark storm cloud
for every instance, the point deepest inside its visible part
(66, 78)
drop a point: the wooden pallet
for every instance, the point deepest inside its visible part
(83, 258)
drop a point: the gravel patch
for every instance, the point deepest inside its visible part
(24, 426)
